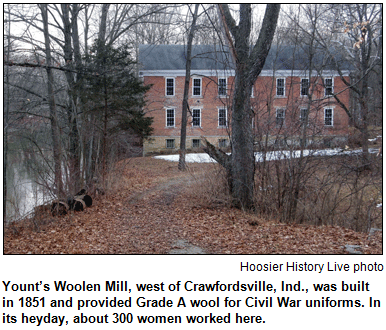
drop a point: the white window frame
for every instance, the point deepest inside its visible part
(252, 91)
(173, 141)
(166, 86)
(332, 87)
(226, 117)
(277, 79)
(174, 117)
(193, 79)
(199, 109)
(281, 110)
(226, 86)
(301, 86)
(332, 116)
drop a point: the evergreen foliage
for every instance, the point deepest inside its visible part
(113, 93)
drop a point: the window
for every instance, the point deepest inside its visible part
(222, 86)
(328, 87)
(304, 87)
(196, 114)
(170, 118)
(280, 87)
(196, 86)
(280, 113)
(328, 117)
(170, 143)
(222, 117)
(196, 143)
(222, 143)
(169, 86)
(303, 115)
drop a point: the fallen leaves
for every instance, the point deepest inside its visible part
(150, 209)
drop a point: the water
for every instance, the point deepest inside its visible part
(23, 191)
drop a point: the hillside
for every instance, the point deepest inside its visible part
(152, 208)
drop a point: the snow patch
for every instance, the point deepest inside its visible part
(260, 156)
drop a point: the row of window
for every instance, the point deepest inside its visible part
(222, 87)
(197, 87)
(196, 117)
(328, 116)
(196, 143)
(304, 87)
(222, 117)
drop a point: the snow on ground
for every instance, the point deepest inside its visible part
(271, 155)
(189, 158)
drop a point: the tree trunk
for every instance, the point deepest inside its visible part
(74, 140)
(248, 66)
(184, 119)
(243, 160)
(6, 119)
(104, 146)
(55, 131)
(103, 23)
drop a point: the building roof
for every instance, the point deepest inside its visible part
(209, 57)
(173, 57)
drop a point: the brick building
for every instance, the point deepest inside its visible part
(286, 97)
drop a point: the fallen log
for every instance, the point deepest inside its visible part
(78, 204)
(80, 201)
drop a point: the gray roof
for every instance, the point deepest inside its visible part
(208, 57)
(173, 57)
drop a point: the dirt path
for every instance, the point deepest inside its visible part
(162, 197)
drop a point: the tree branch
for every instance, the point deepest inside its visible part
(228, 19)
(38, 65)
(263, 45)
(33, 93)
(228, 23)
(218, 155)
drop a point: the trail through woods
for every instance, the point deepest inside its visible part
(155, 209)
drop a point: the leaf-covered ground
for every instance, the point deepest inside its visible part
(152, 210)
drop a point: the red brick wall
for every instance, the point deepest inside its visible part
(208, 102)
(264, 102)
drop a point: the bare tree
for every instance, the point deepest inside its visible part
(185, 105)
(114, 24)
(55, 131)
(7, 52)
(300, 187)
(240, 164)
(356, 30)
